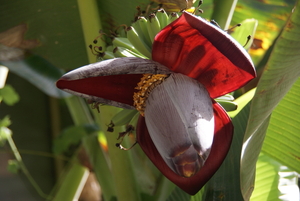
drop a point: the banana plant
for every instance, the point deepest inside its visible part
(130, 175)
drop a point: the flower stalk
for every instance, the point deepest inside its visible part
(81, 116)
(110, 187)
(121, 167)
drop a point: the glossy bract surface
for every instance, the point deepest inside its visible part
(179, 117)
(185, 133)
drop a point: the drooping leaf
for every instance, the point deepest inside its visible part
(282, 140)
(280, 73)
(38, 72)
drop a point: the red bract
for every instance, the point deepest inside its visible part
(221, 144)
(189, 46)
(200, 50)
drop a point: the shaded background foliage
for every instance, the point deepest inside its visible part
(59, 29)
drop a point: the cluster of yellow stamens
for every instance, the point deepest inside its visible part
(144, 87)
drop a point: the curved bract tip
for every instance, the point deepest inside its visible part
(196, 48)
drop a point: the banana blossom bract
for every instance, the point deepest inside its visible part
(183, 131)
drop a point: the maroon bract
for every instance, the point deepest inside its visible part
(183, 131)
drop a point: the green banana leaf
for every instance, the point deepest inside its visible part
(280, 73)
(271, 15)
(282, 140)
(39, 72)
(274, 181)
(65, 29)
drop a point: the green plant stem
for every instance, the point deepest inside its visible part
(75, 176)
(79, 111)
(23, 167)
(73, 182)
(100, 165)
(91, 24)
(55, 130)
(223, 12)
(122, 168)
(164, 189)
(122, 171)
(81, 115)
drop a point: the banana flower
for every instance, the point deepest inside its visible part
(184, 132)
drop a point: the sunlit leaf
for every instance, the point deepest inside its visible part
(242, 101)
(248, 28)
(271, 16)
(282, 140)
(274, 181)
(279, 75)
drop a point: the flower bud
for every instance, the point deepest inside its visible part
(179, 117)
